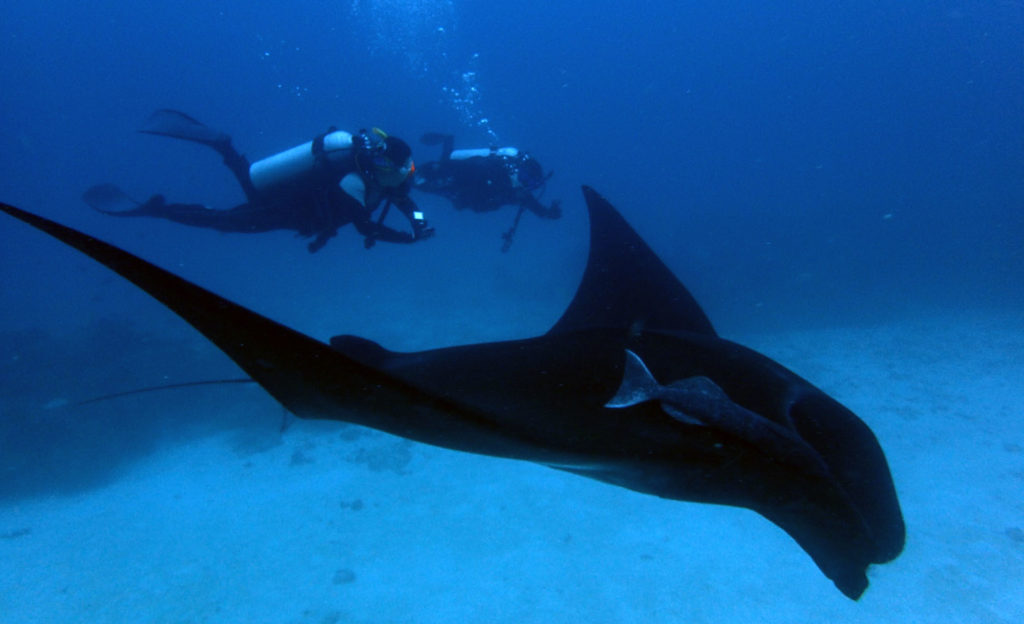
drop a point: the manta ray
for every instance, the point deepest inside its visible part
(632, 387)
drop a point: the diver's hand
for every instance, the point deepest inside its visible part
(317, 244)
(555, 212)
(422, 231)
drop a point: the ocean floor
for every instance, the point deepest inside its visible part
(212, 505)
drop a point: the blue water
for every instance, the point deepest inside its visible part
(798, 164)
(862, 156)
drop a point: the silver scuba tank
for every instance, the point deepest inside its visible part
(462, 154)
(295, 164)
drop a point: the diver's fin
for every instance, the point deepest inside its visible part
(638, 384)
(109, 198)
(625, 285)
(178, 125)
(434, 138)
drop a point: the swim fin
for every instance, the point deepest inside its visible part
(109, 198)
(434, 138)
(178, 125)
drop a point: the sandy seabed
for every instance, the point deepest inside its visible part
(328, 523)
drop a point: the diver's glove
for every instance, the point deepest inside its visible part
(555, 212)
(421, 230)
(318, 243)
(321, 239)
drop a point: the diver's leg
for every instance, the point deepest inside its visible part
(242, 218)
(239, 166)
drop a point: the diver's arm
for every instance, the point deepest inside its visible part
(373, 232)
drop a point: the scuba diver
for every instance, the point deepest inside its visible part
(486, 179)
(314, 188)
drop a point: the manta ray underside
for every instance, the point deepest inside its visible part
(770, 442)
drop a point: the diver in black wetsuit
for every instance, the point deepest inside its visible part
(486, 179)
(335, 179)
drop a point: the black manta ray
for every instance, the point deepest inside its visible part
(632, 387)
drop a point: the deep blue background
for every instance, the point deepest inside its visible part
(795, 162)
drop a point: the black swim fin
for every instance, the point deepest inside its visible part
(434, 138)
(178, 125)
(110, 199)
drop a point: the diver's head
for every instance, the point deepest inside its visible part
(391, 160)
(529, 174)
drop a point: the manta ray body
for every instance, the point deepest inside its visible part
(705, 420)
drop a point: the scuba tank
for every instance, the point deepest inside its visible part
(523, 171)
(463, 154)
(300, 162)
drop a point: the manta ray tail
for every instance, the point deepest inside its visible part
(173, 386)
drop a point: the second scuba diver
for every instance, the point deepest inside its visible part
(314, 188)
(486, 179)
